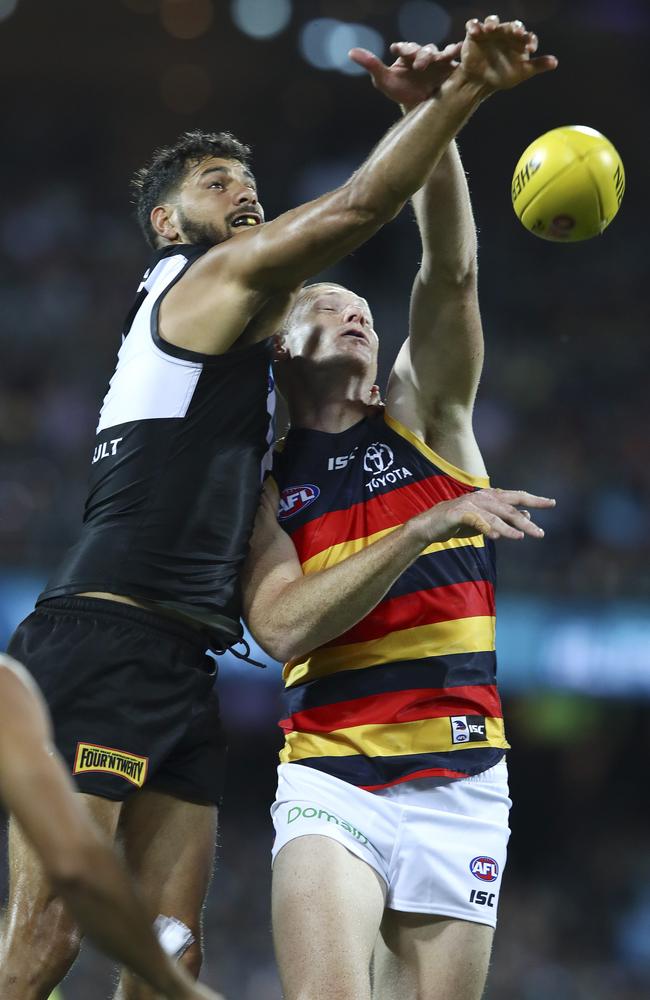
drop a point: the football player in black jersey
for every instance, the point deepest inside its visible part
(117, 642)
(82, 866)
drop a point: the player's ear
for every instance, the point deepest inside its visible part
(280, 349)
(162, 222)
(375, 398)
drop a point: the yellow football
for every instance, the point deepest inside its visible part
(568, 184)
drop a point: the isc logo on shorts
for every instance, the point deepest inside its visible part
(484, 868)
(295, 499)
(90, 757)
(468, 729)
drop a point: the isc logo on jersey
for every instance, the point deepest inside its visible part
(484, 868)
(296, 498)
(468, 728)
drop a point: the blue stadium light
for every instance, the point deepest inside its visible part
(423, 21)
(7, 7)
(261, 18)
(325, 43)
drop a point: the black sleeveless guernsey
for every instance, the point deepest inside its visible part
(183, 440)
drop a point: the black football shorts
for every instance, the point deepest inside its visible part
(131, 695)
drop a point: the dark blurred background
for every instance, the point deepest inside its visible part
(90, 89)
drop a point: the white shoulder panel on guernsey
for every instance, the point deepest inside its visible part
(147, 383)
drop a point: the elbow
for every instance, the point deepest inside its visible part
(282, 644)
(270, 637)
(459, 275)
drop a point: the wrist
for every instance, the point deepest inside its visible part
(473, 89)
(412, 105)
(416, 536)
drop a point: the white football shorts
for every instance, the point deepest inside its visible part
(439, 845)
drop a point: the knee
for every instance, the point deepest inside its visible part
(40, 944)
(65, 949)
(60, 935)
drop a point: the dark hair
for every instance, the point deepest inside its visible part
(155, 182)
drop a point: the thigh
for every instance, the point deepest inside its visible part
(170, 846)
(327, 909)
(39, 937)
(452, 849)
(29, 887)
(423, 957)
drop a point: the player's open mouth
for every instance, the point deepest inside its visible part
(246, 219)
(355, 333)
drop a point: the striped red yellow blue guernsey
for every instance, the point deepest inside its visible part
(410, 691)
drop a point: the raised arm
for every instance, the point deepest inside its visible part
(81, 864)
(435, 377)
(436, 374)
(290, 614)
(241, 274)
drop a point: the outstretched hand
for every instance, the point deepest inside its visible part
(500, 56)
(416, 74)
(492, 512)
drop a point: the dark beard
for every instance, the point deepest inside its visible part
(201, 232)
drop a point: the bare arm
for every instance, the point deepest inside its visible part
(234, 279)
(435, 377)
(290, 614)
(436, 374)
(82, 866)
(278, 256)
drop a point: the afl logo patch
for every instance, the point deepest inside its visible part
(296, 498)
(484, 868)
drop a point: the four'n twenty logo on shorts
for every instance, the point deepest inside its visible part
(484, 868)
(90, 757)
(468, 729)
(296, 498)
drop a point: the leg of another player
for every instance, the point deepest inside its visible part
(40, 941)
(327, 908)
(169, 846)
(420, 957)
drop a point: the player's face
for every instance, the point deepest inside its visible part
(218, 199)
(335, 325)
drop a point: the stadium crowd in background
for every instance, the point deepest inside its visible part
(558, 360)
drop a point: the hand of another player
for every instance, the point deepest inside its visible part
(500, 56)
(416, 74)
(492, 512)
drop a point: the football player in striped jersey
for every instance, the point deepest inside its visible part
(377, 588)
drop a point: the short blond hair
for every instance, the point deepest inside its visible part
(303, 297)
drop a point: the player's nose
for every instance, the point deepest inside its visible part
(244, 196)
(355, 314)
